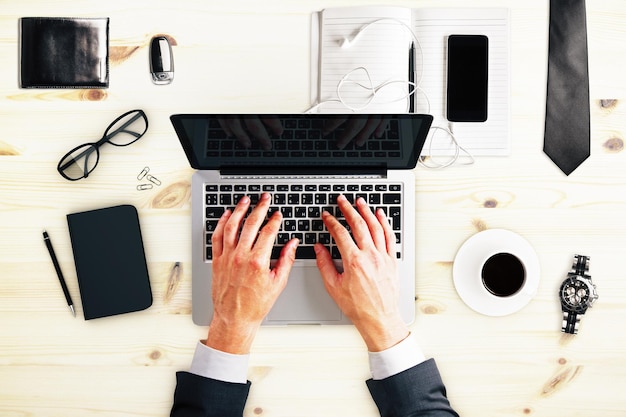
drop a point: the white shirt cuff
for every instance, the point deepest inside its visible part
(222, 366)
(396, 359)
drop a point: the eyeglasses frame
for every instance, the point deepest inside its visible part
(94, 146)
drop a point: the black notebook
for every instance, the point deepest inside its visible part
(110, 261)
(64, 52)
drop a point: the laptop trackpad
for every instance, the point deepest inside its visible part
(304, 299)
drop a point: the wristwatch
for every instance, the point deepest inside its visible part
(577, 293)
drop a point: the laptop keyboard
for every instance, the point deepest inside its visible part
(301, 206)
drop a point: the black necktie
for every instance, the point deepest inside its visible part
(566, 139)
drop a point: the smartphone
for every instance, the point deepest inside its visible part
(467, 76)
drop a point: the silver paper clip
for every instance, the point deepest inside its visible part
(153, 179)
(143, 173)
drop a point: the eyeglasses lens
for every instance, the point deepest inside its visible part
(127, 129)
(80, 162)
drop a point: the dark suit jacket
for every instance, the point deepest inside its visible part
(418, 391)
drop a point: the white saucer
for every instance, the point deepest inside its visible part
(468, 265)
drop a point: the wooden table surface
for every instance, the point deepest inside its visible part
(253, 56)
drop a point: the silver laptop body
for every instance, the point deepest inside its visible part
(301, 167)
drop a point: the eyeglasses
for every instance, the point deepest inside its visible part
(82, 160)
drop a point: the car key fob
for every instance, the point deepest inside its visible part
(161, 60)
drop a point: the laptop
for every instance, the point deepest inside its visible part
(304, 161)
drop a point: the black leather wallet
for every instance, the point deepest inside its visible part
(64, 52)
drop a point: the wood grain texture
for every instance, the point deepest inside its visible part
(249, 56)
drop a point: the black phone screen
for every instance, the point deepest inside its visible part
(466, 97)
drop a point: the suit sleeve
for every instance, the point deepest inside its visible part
(197, 396)
(418, 391)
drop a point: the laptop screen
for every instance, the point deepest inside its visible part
(302, 141)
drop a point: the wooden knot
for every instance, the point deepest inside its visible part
(479, 225)
(119, 54)
(430, 309)
(174, 195)
(490, 203)
(562, 378)
(608, 103)
(7, 150)
(614, 145)
(93, 94)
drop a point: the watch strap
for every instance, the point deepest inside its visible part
(571, 321)
(581, 266)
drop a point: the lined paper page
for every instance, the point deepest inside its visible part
(432, 27)
(382, 48)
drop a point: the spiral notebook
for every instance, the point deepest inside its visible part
(382, 48)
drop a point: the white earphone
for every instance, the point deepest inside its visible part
(347, 42)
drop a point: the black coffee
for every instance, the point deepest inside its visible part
(503, 274)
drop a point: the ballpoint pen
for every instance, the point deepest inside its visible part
(46, 239)
(172, 283)
(412, 78)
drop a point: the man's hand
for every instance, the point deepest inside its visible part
(367, 290)
(244, 287)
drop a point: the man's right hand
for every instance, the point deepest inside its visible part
(367, 290)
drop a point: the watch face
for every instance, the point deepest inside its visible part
(575, 294)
